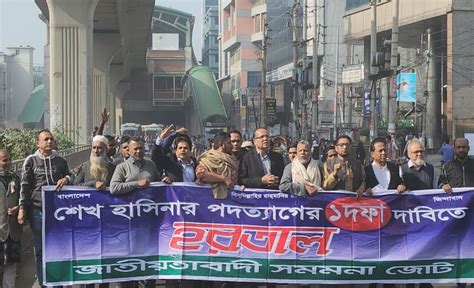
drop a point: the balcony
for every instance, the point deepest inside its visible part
(257, 37)
(168, 97)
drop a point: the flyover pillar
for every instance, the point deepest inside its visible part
(106, 46)
(71, 51)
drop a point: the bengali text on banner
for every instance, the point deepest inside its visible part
(180, 232)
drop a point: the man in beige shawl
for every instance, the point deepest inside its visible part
(301, 177)
(218, 167)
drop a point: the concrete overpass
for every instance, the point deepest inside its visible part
(95, 49)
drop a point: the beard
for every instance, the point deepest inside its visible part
(303, 161)
(419, 162)
(98, 167)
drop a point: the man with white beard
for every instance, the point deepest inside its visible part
(301, 177)
(416, 173)
(98, 171)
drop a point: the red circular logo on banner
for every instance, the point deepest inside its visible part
(366, 214)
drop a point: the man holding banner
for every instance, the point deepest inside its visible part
(136, 172)
(380, 174)
(459, 171)
(416, 173)
(43, 168)
(301, 177)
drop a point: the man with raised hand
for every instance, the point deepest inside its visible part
(172, 155)
(343, 172)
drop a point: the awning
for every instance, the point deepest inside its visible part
(207, 97)
(34, 107)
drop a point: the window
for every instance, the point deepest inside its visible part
(234, 57)
(254, 79)
(257, 23)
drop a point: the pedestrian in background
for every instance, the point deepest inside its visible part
(10, 229)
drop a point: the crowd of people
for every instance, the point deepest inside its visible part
(229, 161)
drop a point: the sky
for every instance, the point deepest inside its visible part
(20, 24)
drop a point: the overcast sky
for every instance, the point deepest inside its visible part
(20, 24)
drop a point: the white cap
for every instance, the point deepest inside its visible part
(247, 143)
(100, 138)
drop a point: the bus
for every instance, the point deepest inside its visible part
(130, 129)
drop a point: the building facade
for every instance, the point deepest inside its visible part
(16, 83)
(436, 42)
(241, 25)
(210, 34)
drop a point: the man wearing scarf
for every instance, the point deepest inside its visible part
(218, 167)
(10, 229)
(301, 177)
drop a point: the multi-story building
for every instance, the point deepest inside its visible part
(436, 41)
(182, 92)
(3, 92)
(17, 81)
(291, 31)
(210, 34)
(241, 24)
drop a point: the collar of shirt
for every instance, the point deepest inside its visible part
(376, 165)
(411, 164)
(136, 162)
(181, 162)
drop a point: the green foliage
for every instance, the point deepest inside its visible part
(21, 143)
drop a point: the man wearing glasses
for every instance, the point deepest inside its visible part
(261, 168)
(343, 172)
(416, 173)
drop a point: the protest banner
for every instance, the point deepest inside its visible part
(180, 232)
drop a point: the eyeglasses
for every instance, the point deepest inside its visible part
(344, 144)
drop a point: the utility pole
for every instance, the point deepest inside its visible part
(373, 69)
(393, 63)
(336, 88)
(263, 96)
(315, 70)
(296, 98)
(304, 55)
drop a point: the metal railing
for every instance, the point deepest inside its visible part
(74, 156)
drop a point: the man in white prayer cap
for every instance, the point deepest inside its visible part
(98, 171)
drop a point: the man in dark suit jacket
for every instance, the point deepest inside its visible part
(381, 175)
(261, 168)
(178, 165)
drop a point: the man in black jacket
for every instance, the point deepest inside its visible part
(458, 172)
(261, 168)
(381, 175)
(178, 165)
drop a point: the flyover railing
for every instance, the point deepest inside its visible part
(74, 156)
